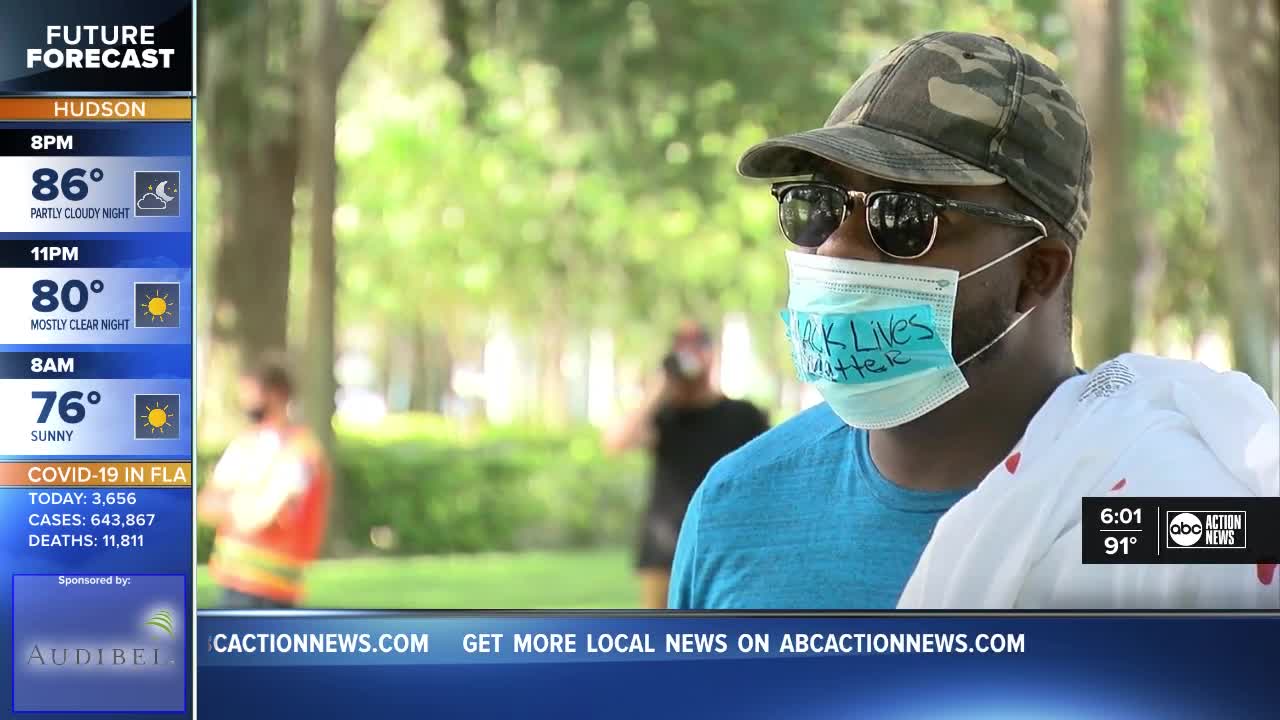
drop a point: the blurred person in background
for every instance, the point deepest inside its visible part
(687, 425)
(933, 222)
(268, 499)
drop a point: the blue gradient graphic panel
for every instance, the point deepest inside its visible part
(99, 642)
(96, 358)
(59, 529)
(96, 361)
(1090, 667)
(95, 250)
(137, 139)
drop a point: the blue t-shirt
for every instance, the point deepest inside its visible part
(800, 518)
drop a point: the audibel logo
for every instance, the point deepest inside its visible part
(138, 652)
(163, 620)
(99, 643)
(1206, 529)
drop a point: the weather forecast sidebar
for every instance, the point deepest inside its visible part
(96, 358)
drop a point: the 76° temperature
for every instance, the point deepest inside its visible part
(70, 409)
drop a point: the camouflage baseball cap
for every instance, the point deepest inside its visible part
(952, 109)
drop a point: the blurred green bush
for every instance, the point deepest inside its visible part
(416, 484)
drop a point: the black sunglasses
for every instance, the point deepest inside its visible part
(901, 223)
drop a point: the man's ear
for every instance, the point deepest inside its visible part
(1047, 265)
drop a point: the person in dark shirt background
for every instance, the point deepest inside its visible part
(687, 425)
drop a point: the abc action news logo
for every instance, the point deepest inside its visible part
(1206, 529)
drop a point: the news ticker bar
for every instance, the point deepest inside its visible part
(1023, 666)
(1181, 530)
(672, 665)
(294, 638)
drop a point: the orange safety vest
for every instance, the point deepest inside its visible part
(269, 562)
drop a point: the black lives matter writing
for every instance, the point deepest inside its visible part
(850, 348)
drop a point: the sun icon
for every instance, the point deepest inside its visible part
(157, 306)
(157, 418)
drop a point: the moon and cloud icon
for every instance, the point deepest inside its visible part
(150, 201)
(156, 193)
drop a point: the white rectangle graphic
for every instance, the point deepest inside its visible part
(54, 418)
(54, 306)
(95, 194)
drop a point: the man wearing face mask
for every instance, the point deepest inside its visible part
(933, 225)
(268, 499)
(687, 425)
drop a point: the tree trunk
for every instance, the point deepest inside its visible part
(1241, 40)
(434, 367)
(420, 346)
(553, 395)
(321, 102)
(1108, 256)
(455, 20)
(253, 149)
(251, 273)
(389, 360)
(249, 101)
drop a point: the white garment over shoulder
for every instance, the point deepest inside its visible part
(258, 478)
(1136, 426)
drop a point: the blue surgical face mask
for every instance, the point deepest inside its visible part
(875, 338)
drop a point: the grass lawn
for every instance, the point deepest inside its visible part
(527, 580)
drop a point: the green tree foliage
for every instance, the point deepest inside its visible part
(1241, 42)
(580, 163)
(251, 75)
(569, 164)
(1109, 256)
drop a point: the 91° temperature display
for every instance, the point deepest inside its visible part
(1146, 530)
